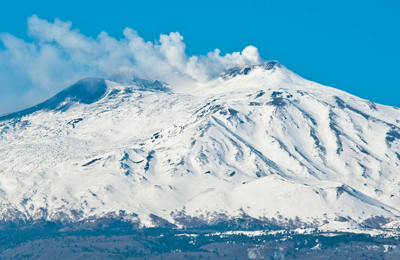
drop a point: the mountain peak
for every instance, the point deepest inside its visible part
(269, 65)
(86, 91)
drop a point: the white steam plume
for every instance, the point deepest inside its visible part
(59, 55)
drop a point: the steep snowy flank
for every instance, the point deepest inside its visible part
(258, 142)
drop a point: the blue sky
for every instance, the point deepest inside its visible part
(350, 45)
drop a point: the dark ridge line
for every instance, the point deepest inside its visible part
(270, 163)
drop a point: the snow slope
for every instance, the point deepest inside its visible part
(260, 142)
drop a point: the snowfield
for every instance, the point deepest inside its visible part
(258, 142)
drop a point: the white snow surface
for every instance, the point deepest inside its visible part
(259, 141)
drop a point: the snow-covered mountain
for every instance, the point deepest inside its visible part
(258, 142)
